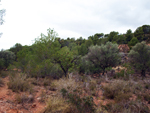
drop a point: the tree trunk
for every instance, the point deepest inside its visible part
(143, 73)
(103, 71)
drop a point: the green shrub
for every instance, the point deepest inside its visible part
(6, 58)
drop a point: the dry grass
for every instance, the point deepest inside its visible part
(58, 105)
(19, 83)
(118, 90)
(21, 99)
(65, 83)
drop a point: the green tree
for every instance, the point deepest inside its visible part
(6, 58)
(111, 35)
(82, 50)
(16, 48)
(139, 57)
(121, 39)
(66, 59)
(142, 33)
(133, 41)
(129, 35)
(104, 56)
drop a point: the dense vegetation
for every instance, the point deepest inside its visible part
(54, 58)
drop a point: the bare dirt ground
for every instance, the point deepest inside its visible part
(8, 103)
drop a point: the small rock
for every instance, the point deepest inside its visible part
(1, 101)
(39, 98)
(31, 98)
(33, 105)
(19, 106)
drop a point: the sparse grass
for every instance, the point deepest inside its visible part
(46, 81)
(58, 105)
(1, 82)
(19, 83)
(42, 96)
(92, 87)
(21, 99)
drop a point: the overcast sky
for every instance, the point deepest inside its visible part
(26, 19)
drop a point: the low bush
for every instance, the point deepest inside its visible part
(57, 105)
(118, 90)
(68, 84)
(19, 83)
(83, 104)
(127, 107)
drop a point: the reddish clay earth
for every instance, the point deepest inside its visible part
(8, 103)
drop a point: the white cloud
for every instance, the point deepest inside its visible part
(25, 20)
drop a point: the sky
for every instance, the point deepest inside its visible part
(25, 20)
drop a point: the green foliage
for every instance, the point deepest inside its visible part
(88, 67)
(38, 60)
(142, 33)
(112, 35)
(6, 58)
(2, 61)
(16, 48)
(66, 59)
(129, 35)
(133, 41)
(83, 50)
(103, 56)
(140, 57)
